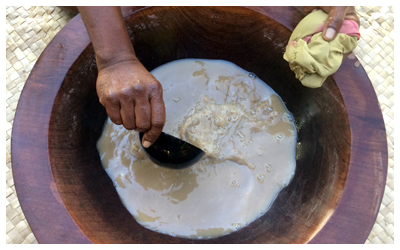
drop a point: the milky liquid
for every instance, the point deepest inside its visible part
(249, 138)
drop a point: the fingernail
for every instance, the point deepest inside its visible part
(330, 33)
(314, 10)
(146, 144)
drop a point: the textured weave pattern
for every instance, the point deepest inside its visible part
(30, 29)
(375, 52)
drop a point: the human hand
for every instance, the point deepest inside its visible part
(336, 16)
(132, 97)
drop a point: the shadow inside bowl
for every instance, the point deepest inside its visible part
(252, 41)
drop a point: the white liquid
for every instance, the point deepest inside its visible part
(249, 138)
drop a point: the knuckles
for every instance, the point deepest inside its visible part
(126, 94)
(158, 124)
(129, 127)
(143, 126)
(115, 120)
(109, 98)
(155, 88)
(336, 22)
(112, 95)
(139, 89)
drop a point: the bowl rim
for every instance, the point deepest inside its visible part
(41, 202)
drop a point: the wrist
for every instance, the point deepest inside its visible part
(104, 60)
(108, 33)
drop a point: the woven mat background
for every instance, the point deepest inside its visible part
(30, 29)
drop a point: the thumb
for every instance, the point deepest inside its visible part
(150, 136)
(334, 22)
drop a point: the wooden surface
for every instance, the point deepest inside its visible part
(327, 134)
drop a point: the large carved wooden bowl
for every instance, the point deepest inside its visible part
(67, 197)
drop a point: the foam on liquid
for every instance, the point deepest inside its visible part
(249, 138)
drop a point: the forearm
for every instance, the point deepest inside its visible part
(107, 31)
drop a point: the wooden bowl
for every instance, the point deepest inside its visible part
(67, 197)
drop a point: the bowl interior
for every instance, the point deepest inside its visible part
(252, 41)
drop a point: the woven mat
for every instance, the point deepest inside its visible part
(30, 29)
(375, 52)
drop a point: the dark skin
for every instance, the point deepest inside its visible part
(131, 95)
(336, 16)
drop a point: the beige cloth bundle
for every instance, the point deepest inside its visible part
(314, 62)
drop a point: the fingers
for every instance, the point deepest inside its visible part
(128, 115)
(157, 121)
(114, 114)
(334, 22)
(132, 117)
(133, 100)
(142, 114)
(113, 109)
(135, 117)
